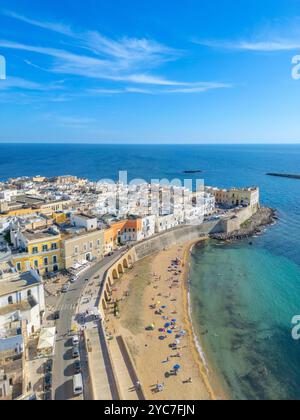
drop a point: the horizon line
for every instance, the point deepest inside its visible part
(150, 144)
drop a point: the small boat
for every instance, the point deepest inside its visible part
(193, 172)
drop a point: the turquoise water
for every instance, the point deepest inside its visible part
(244, 297)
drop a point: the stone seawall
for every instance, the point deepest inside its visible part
(176, 237)
(149, 247)
(234, 223)
(251, 226)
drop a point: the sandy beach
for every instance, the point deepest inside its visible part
(154, 321)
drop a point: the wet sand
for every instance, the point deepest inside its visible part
(149, 297)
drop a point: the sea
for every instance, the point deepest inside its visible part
(243, 296)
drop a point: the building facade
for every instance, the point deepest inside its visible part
(84, 246)
(21, 298)
(39, 251)
(236, 196)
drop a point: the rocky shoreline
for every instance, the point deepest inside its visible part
(254, 226)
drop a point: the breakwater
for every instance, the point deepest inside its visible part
(290, 176)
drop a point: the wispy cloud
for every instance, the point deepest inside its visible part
(23, 84)
(276, 36)
(195, 88)
(56, 27)
(259, 46)
(201, 87)
(121, 61)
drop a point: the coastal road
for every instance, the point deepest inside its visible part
(63, 369)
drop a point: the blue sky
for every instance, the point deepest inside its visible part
(198, 71)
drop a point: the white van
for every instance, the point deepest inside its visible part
(77, 384)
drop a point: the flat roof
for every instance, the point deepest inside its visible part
(25, 281)
(31, 236)
(85, 216)
(21, 306)
(75, 233)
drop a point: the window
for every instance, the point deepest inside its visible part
(19, 267)
(76, 250)
(54, 259)
(91, 245)
(10, 300)
(29, 293)
(45, 261)
(85, 247)
(54, 247)
(36, 264)
(45, 248)
(35, 250)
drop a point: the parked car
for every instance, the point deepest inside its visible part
(48, 381)
(75, 352)
(75, 340)
(73, 280)
(78, 384)
(65, 288)
(56, 315)
(49, 366)
(77, 367)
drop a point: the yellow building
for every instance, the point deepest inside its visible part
(39, 179)
(236, 196)
(59, 217)
(37, 250)
(17, 212)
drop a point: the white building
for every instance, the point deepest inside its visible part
(167, 222)
(21, 298)
(148, 227)
(209, 204)
(84, 221)
(7, 195)
(193, 215)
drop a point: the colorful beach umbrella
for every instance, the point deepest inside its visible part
(177, 367)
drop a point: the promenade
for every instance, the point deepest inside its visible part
(110, 375)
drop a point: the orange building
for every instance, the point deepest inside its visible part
(122, 232)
